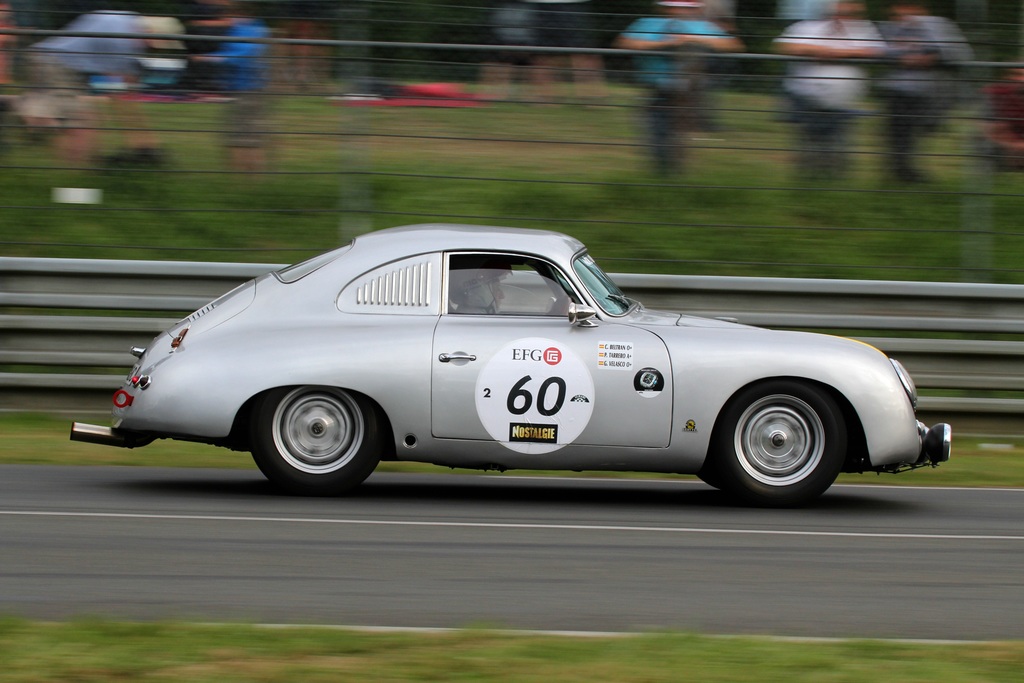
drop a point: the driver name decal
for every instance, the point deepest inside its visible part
(535, 395)
(615, 355)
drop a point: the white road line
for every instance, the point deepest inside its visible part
(528, 633)
(513, 525)
(561, 633)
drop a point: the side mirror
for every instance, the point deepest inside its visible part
(581, 315)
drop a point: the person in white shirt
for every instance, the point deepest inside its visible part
(825, 90)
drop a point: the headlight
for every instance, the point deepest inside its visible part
(908, 383)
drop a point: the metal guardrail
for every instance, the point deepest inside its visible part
(66, 326)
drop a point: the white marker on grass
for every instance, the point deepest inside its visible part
(77, 195)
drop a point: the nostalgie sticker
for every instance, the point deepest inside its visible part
(615, 355)
(535, 395)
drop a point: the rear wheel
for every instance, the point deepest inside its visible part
(779, 443)
(315, 440)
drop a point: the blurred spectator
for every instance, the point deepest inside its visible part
(803, 10)
(824, 92)
(63, 68)
(308, 20)
(7, 43)
(204, 18)
(721, 13)
(511, 24)
(244, 76)
(919, 86)
(716, 70)
(671, 79)
(1004, 127)
(566, 23)
(166, 59)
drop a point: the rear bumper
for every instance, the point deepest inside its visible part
(108, 436)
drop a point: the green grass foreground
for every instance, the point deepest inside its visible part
(43, 440)
(88, 651)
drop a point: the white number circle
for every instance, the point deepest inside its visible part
(535, 395)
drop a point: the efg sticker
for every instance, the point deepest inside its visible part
(613, 355)
(535, 395)
(649, 382)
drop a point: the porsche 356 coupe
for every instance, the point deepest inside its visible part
(501, 348)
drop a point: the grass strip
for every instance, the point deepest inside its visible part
(85, 651)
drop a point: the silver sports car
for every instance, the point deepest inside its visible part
(495, 348)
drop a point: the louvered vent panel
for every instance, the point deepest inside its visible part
(201, 312)
(407, 286)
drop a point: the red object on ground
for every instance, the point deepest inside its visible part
(419, 95)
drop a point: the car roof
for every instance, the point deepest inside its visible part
(427, 237)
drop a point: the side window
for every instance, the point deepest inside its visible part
(490, 284)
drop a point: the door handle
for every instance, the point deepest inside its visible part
(457, 355)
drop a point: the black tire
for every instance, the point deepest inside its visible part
(709, 475)
(778, 443)
(315, 441)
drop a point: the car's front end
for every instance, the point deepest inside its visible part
(936, 441)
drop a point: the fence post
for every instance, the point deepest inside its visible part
(976, 207)
(355, 196)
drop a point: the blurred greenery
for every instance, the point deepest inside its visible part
(336, 170)
(579, 167)
(95, 650)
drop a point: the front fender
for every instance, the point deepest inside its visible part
(713, 365)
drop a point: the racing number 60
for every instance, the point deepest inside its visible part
(518, 392)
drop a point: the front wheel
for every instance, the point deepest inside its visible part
(315, 440)
(779, 443)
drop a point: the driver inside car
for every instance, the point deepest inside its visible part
(477, 290)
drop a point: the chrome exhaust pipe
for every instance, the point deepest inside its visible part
(108, 436)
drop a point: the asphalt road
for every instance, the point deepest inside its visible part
(554, 554)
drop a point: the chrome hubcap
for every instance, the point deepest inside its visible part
(779, 440)
(317, 432)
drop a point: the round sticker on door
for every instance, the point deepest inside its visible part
(648, 382)
(535, 395)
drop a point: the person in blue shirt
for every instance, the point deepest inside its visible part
(675, 41)
(243, 76)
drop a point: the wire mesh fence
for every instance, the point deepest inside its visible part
(701, 154)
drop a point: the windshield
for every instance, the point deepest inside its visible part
(607, 294)
(299, 270)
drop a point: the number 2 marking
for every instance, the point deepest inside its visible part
(487, 392)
